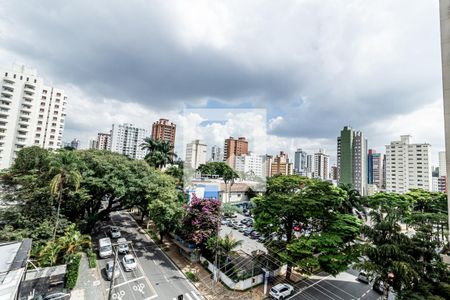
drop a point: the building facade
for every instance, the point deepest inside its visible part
(352, 159)
(196, 154)
(216, 154)
(321, 165)
(250, 164)
(164, 130)
(30, 113)
(407, 166)
(234, 147)
(375, 168)
(300, 162)
(281, 165)
(126, 139)
(104, 141)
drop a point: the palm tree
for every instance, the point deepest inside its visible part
(353, 203)
(49, 253)
(159, 153)
(65, 175)
(73, 241)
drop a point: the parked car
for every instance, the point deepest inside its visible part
(129, 262)
(281, 291)
(248, 231)
(363, 277)
(235, 225)
(247, 213)
(242, 228)
(378, 286)
(115, 232)
(254, 235)
(297, 228)
(105, 248)
(123, 246)
(230, 223)
(109, 270)
(262, 239)
(224, 222)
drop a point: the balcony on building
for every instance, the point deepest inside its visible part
(28, 97)
(30, 86)
(8, 81)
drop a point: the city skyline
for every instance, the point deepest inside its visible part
(230, 70)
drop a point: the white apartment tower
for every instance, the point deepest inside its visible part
(216, 154)
(30, 113)
(127, 139)
(407, 166)
(196, 154)
(442, 164)
(104, 141)
(250, 164)
(321, 165)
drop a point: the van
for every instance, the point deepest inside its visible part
(105, 247)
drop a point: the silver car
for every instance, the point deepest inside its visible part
(123, 246)
(109, 269)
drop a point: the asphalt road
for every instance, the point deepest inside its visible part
(156, 277)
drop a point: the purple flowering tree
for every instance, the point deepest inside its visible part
(201, 220)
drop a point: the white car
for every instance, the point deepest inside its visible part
(115, 232)
(109, 270)
(129, 262)
(281, 291)
(123, 246)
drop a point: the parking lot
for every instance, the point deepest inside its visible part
(129, 284)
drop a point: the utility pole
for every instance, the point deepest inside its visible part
(113, 273)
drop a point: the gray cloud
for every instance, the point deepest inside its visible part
(318, 64)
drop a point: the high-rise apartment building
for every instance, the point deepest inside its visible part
(104, 141)
(267, 161)
(30, 113)
(321, 165)
(300, 162)
(93, 144)
(334, 173)
(352, 159)
(250, 164)
(216, 154)
(309, 164)
(281, 165)
(75, 143)
(164, 130)
(195, 154)
(126, 139)
(407, 166)
(235, 147)
(375, 168)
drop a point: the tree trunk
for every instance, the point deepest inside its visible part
(288, 240)
(57, 214)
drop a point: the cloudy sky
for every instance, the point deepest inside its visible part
(315, 66)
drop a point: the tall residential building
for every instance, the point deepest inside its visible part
(250, 164)
(309, 164)
(216, 154)
(375, 168)
(104, 141)
(30, 113)
(407, 166)
(126, 139)
(334, 173)
(93, 144)
(75, 143)
(281, 165)
(383, 185)
(321, 165)
(300, 163)
(234, 147)
(442, 164)
(195, 154)
(352, 159)
(444, 8)
(164, 130)
(267, 161)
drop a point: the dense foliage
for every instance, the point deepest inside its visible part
(326, 239)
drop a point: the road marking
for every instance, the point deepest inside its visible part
(304, 289)
(195, 295)
(123, 283)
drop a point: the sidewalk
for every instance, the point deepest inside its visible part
(88, 283)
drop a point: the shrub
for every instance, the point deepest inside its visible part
(191, 276)
(92, 258)
(72, 271)
(205, 264)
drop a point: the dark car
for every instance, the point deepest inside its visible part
(248, 231)
(254, 235)
(378, 286)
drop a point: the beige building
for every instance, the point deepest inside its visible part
(281, 165)
(104, 141)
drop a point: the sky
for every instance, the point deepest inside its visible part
(314, 66)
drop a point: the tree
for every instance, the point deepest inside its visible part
(327, 236)
(201, 220)
(224, 246)
(65, 176)
(159, 152)
(353, 203)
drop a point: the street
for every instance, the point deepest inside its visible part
(155, 277)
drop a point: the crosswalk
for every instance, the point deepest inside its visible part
(188, 296)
